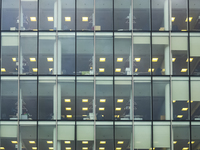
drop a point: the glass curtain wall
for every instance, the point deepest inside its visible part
(99, 75)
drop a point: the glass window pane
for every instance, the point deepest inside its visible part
(85, 54)
(194, 11)
(103, 15)
(85, 15)
(161, 99)
(142, 100)
(10, 15)
(122, 15)
(47, 98)
(104, 98)
(9, 53)
(104, 54)
(179, 15)
(180, 98)
(195, 132)
(84, 98)
(160, 55)
(122, 53)
(141, 15)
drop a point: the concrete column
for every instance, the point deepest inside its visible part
(57, 102)
(57, 15)
(54, 102)
(130, 19)
(167, 102)
(131, 106)
(167, 60)
(166, 15)
(57, 58)
(20, 61)
(20, 104)
(54, 138)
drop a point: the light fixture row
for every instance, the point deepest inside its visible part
(174, 101)
(86, 109)
(33, 59)
(68, 19)
(101, 100)
(186, 20)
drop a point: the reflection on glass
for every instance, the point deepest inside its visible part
(194, 12)
(195, 132)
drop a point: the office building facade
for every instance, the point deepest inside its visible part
(100, 75)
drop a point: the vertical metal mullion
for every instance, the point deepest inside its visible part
(75, 128)
(94, 65)
(56, 145)
(151, 76)
(18, 83)
(170, 75)
(37, 139)
(132, 77)
(188, 23)
(113, 75)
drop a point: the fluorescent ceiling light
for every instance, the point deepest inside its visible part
(102, 142)
(84, 142)
(50, 18)
(184, 109)
(34, 147)
(68, 108)
(154, 59)
(32, 59)
(174, 142)
(190, 101)
(190, 19)
(120, 142)
(101, 148)
(14, 142)
(191, 59)
(163, 70)
(3, 70)
(102, 59)
(119, 59)
(2, 148)
(34, 69)
(67, 142)
(173, 59)
(118, 148)
(33, 18)
(84, 108)
(50, 147)
(184, 70)
(136, 69)
(14, 59)
(101, 69)
(185, 148)
(67, 18)
(67, 148)
(179, 116)
(67, 100)
(49, 142)
(49, 59)
(149, 70)
(32, 142)
(50, 69)
(69, 116)
(84, 100)
(174, 101)
(173, 19)
(102, 100)
(85, 19)
(120, 100)
(101, 108)
(183, 30)
(118, 108)
(137, 59)
(117, 116)
(84, 115)
(118, 70)
(84, 148)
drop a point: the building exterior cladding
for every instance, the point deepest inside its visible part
(100, 75)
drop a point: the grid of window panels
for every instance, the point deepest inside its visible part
(100, 75)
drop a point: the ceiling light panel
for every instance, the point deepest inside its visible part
(137, 59)
(102, 100)
(49, 59)
(68, 19)
(102, 59)
(33, 19)
(84, 19)
(50, 18)
(154, 59)
(119, 59)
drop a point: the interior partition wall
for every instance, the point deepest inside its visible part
(100, 75)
